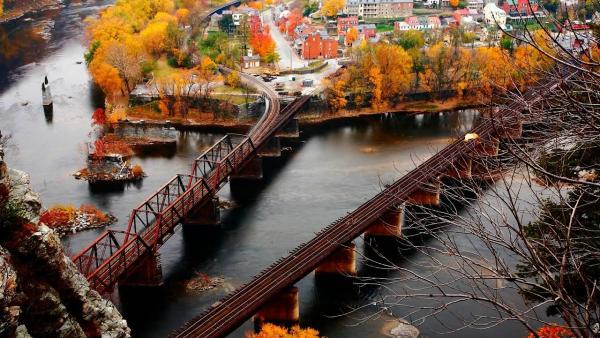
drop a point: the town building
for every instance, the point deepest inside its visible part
(238, 14)
(344, 23)
(318, 45)
(379, 8)
(418, 23)
(476, 5)
(250, 61)
(367, 32)
(494, 15)
(520, 9)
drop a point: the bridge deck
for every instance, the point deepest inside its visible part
(229, 313)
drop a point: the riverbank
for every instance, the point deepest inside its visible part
(409, 107)
(236, 125)
(20, 8)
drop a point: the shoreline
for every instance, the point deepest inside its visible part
(235, 126)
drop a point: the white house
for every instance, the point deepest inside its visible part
(493, 15)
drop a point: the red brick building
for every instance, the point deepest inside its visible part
(343, 24)
(316, 46)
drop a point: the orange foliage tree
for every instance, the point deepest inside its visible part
(262, 43)
(454, 3)
(552, 331)
(273, 331)
(351, 35)
(290, 23)
(258, 5)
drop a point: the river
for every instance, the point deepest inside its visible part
(335, 168)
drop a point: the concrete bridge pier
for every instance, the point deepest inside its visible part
(460, 170)
(514, 131)
(272, 148)
(341, 263)
(207, 213)
(291, 130)
(147, 274)
(281, 309)
(389, 225)
(487, 146)
(427, 195)
(243, 183)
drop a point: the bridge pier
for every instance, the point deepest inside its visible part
(460, 169)
(207, 213)
(247, 180)
(272, 148)
(427, 195)
(514, 131)
(289, 130)
(342, 262)
(281, 309)
(487, 147)
(388, 225)
(148, 273)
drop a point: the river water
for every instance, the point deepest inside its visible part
(336, 167)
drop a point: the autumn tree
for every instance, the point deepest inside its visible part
(454, 3)
(127, 57)
(273, 331)
(1, 7)
(351, 36)
(409, 39)
(107, 78)
(262, 43)
(332, 7)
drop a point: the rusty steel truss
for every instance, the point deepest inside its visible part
(116, 254)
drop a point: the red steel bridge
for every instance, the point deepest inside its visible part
(116, 255)
(251, 298)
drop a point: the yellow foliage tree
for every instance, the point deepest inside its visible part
(1, 7)
(183, 15)
(335, 93)
(332, 7)
(273, 331)
(154, 37)
(376, 80)
(233, 79)
(351, 35)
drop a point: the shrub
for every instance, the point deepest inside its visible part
(137, 171)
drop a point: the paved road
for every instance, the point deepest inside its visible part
(287, 54)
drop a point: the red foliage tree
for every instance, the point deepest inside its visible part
(552, 331)
(99, 117)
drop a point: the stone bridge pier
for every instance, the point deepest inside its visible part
(148, 273)
(341, 263)
(281, 309)
(205, 214)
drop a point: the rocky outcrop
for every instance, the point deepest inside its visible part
(42, 294)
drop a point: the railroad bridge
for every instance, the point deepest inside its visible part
(271, 295)
(130, 256)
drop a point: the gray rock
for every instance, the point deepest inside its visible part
(404, 330)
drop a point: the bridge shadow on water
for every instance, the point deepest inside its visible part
(380, 260)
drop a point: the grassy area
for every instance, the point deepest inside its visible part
(162, 68)
(384, 27)
(235, 99)
(225, 89)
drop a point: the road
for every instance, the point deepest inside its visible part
(289, 58)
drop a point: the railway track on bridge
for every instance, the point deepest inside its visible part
(226, 315)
